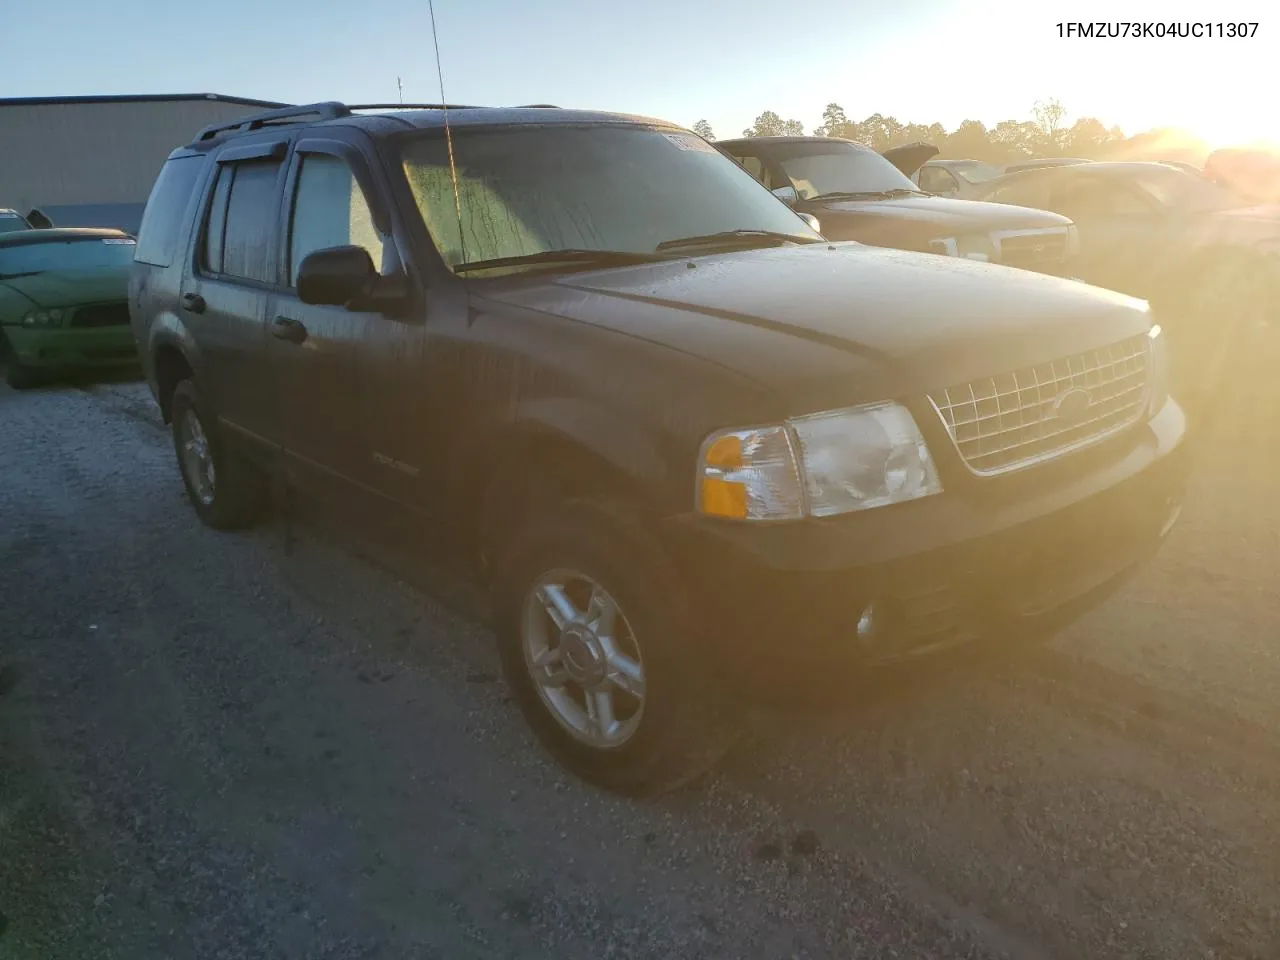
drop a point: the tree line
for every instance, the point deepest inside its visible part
(1047, 134)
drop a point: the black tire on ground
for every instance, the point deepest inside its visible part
(239, 490)
(683, 729)
(17, 376)
(20, 377)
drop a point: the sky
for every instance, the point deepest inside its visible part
(681, 60)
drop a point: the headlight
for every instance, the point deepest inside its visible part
(750, 475)
(42, 318)
(820, 465)
(1158, 361)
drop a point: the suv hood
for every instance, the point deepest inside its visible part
(55, 288)
(862, 322)
(911, 156)
(948, 215)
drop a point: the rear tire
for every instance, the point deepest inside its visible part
(226, 491)
(664, 724)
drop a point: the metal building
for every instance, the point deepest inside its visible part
(91, 161)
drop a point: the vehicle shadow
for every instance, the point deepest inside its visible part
(82, 378)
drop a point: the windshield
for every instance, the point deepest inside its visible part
(1188, 192)
(975, 171)
(625, 189)
(820, 168)
(82, 253)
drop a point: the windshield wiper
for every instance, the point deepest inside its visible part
(15, 276)
(869, 194)
(735, 238)
(588, 258)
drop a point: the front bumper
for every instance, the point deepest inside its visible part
(67, 348)
(948, 569)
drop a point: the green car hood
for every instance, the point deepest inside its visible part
(66, 288)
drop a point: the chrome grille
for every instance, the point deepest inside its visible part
(1014, 419)
(1030, 250)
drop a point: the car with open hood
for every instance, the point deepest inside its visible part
(63, 302)
(676, 431)
(858, 194)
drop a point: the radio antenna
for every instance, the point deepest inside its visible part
(448, 133)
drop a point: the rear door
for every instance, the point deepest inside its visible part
(329, 398)
(223, 301)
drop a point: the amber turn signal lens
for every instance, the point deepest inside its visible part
(724, 498)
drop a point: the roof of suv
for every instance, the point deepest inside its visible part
(780, 140)
(390, 117)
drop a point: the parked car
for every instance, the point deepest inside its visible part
(1043, 163)
(11, 220)
(676, 429)
(63, 302)
(954, 178)
(966, 179)
(1253, 174)
(1205, 256)
(858, 194)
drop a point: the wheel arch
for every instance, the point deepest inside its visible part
(171, 367)
(559, 449)
(173, 357)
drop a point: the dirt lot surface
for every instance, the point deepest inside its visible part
(224, 746)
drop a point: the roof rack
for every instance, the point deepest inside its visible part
(329, 110)
(410, 106)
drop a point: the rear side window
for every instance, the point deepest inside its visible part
(1030, 193)
(162, 220)
(1090, 198)
(239, 229)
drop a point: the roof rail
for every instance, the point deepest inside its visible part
(410, 106)
(329, 110)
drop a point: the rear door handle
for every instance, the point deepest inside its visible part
(193, 302)
(287, 328)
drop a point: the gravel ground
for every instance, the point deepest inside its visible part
(224, 746)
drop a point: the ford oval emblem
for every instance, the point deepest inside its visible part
(1072, 405)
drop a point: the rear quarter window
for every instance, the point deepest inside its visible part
(165, 213)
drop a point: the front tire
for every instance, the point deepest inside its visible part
(21, 378)
(226, 491)
(596, 647)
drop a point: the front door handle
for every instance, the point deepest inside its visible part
(193, 302)
(287, 328)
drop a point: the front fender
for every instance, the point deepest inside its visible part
(619, 442)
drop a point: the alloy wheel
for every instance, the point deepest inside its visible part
(583, 658)
(197, 457)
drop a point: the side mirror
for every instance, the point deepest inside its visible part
(336, 275)
(811, 220)
(787, 195)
